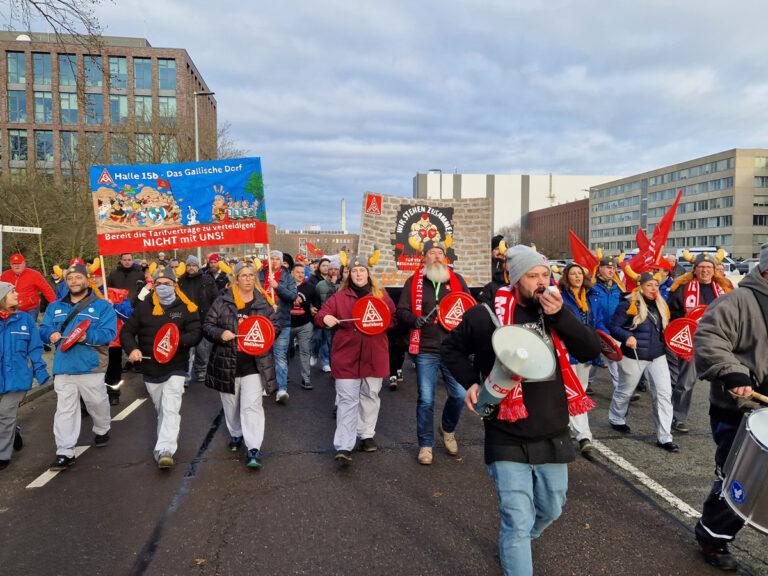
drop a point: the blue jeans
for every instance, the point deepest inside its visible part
(280, 354)
(531, 497)
(427, 368)
(325, 347)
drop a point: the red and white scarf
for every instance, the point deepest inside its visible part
(512, 407)
(693, 293)
(417, 303)
(276, 275)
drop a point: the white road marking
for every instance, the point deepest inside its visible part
(646, 481)
(128, 409)
(48, 475)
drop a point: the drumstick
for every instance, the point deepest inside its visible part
(348, 319)
(754, 395)
(636, 358)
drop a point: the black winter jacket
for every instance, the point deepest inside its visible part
(222, 363)
(649, 334)
(201, 289)
(140, 329)
(131, 279)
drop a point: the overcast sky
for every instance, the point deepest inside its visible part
(340, 97)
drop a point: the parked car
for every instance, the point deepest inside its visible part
(745, 266)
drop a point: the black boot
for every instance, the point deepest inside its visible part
(18, 441)
(719, 556)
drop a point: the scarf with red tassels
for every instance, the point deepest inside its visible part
(512, 407)
(417, 303)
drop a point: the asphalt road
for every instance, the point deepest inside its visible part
(113, 512)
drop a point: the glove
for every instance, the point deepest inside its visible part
(421, 321)
(145, 292)
(735, 380)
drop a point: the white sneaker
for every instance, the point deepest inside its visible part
(281, 397)
(312, 360)
(326, 368)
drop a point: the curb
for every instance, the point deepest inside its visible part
(36, 392)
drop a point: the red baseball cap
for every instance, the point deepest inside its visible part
(214, 258)
(17, 259)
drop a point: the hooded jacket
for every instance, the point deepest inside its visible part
(29, 284)
(19, 343)
(131, 279)
(604, 302)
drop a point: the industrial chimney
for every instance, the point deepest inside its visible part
(344, 215)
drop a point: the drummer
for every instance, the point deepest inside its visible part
(731, 351)
(164, 380)
(240, 378)
(359, 361)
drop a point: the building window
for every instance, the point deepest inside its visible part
(760, 201)
(761, 162)
(142, 73)
(169, 151)
(166, 70)
(41, 64)
(118, 72)
(17, 68)
(119, 149)
(94, 109)
(142, 109)
(167, 110)
(67, 70)
(118, 109)
(95, 143)
(44, 146)
(68, 105)
(17, 106)
(69, 147)
(144, 152)
(760, 219)
(43, 107)
(94, 73)
(761, 182)
(18, 144)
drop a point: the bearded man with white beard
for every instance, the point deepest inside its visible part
(416, 310)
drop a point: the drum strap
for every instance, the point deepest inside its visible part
(496, 321)
(79, 307)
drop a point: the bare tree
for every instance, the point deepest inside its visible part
(512, 233)
(226, 146)
(75, 18)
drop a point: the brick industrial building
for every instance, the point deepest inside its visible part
(64, 106)
(548, 228)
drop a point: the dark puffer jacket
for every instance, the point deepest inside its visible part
(222, 363)
(201, 289)
(649, 334)
(140, 329)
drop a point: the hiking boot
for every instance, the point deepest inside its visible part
(623, 428)
(234, 443)
(719, 556)
(101, 440)
(61, 462)
(254, 459)
(281, 397)
(425, 456)
(449, 439)
(680, 426)
(306, 385)
(343, 458)
(393, 383)
(165, 461)
(669, 447)
(368, 445)
(585, 445)
(4, 464)
(18, 441)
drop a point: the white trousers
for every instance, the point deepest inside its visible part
(660, 386)
(244, 411)
(357, 411)
(66, 422)
(580, 424)
(166, 396)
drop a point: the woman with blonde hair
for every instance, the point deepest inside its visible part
(639, 323)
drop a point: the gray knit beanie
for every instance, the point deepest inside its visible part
(242, 266)
(522, 258)
(276, 254)
(5, 288)
(764, 258)
(193, 261)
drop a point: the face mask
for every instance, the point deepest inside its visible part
(166, 294)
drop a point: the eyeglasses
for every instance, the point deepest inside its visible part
(247, 276)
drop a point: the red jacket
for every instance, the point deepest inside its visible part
(354, 354)
(29, 284)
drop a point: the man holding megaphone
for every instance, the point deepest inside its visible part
(527, 441)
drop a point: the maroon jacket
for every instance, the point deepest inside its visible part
(354, 354)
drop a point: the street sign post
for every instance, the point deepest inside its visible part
(15, 230)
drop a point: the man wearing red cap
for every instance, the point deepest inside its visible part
(29, 284)
(218, 275)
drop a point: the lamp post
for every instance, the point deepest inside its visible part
(197, 153)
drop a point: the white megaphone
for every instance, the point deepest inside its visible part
(521, 354)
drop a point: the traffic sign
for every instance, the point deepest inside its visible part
(21, 229)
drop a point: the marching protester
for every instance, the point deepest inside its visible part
(665, 282)
(161, 261)
(58, 284)
(216, 273)
(606, 297)
(498, 270)
(301, 323)
(281, 288)
(731, 351)
(699, 287)
(527, 443)
(240, 379)
(201, 289)
(639, 323)
(164, 380)
(577, 295)
(80, 370)
(324, 289)
(21, 351)
(128, 275)
(677, 269)
(320, 273)
(359, 362)
(29, 285)
(417, 309)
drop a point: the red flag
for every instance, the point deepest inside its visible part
(581, 254)
(312, 250)
(642, 240)
(651, 257)
(163, 184)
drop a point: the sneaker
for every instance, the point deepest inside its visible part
(635, 397)
(449, 439)
(114, 400)
(101, 440)
(254, 459)
(306, 385)
(326, 368)
(165, 461)
(669, 447)
(343, 458)
(425, 456)
(312, 361)
(61, 462)
(18, 441)
(368, 445)
(621, 428)
(393, 383)
(400, 376)
(282, 397)
(585, 445)
(680, 426)
(234, 443)
(719, 556)
(4, 464)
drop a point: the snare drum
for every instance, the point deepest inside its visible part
(746, 470)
